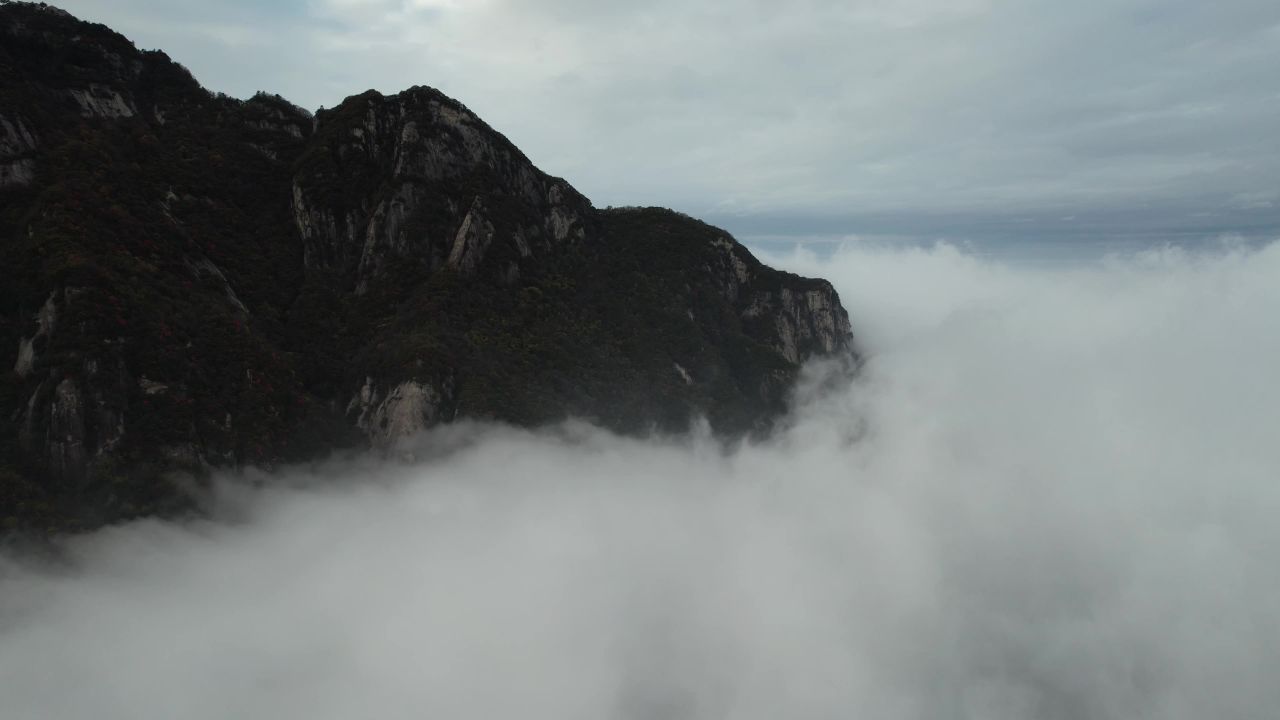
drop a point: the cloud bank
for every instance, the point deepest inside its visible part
(1052, 494)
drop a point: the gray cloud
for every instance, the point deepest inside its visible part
(754, 111)
(1051, 495)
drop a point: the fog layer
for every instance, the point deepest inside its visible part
(1051, 494)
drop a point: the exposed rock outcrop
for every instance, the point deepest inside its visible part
(45, 321)
(402, 179)
(64, 434)
(404, 410)
(103, 101)
(17, 143)
(806, 322)
(473, 239)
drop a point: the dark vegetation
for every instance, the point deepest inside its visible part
(199, 329)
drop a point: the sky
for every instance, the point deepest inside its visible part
(817, 119)
(1050, 495)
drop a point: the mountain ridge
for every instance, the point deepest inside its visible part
(198, 282)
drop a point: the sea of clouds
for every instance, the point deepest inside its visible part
(1053, 492)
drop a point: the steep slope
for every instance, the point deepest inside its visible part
(193, 281)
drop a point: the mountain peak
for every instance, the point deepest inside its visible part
(203, 282)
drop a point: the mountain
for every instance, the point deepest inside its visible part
(192, 281)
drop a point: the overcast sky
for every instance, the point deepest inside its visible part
(937, 118)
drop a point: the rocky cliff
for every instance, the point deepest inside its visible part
(193, 281)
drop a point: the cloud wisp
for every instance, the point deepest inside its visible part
(1050, 495)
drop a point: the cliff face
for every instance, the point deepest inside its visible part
(193, 281)
(430, 182)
